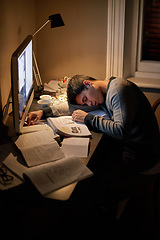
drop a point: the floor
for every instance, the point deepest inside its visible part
(33, 217)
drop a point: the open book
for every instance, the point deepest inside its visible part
(50, 176)
(38, 147)
(65, 126)
(54, 175)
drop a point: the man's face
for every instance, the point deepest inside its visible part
(92, 96)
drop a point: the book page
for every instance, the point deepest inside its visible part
(75, 146)
(38, 148)
(54, 175)
(66, 126)
(16, 167)
(15, 181)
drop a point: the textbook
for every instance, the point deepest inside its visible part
(55, 175)
(66, 127)
(38, 147)
(51, 176)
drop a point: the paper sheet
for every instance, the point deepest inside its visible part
(75, 146)
(47, 177)
(16, 181)
(39, 126)
(52, 176)
(16, 167)
(38, 148)
(66, 126)
(52, 86)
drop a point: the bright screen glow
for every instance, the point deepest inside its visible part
(25, 76)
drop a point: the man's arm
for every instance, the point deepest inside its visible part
(124, 108)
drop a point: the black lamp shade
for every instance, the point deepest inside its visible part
(56, 20)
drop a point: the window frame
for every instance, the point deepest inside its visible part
(145, 68)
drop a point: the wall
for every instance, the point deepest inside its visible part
(79, 46)
(130, 38)
(17, 20)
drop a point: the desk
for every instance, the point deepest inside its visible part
(65, 192)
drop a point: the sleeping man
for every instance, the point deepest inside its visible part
(131, 141)
(132, 122)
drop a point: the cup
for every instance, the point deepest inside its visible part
(44, 103)
(45, 97)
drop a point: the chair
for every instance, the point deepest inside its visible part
(156, 104)
(144, 179)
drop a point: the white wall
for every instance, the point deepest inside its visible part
(17, 20)
(79, 46)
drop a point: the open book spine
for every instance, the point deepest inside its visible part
(65, 134)
(65, 130)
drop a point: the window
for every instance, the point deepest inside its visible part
(151, 31)
(148, 62)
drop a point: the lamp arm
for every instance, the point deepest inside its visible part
(41, 28)
(37, 73)
(35, 76)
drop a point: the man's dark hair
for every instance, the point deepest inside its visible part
(75, 86)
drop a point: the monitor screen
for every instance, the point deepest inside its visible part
(25, 76)
(22, 82)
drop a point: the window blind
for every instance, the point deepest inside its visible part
(151, 31)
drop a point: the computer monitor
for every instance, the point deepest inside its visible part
(22, 82)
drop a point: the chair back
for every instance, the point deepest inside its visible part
(157, 113)
(156, 104)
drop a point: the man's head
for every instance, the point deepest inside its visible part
(83, 90)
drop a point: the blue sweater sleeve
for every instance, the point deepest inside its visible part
(122, 104)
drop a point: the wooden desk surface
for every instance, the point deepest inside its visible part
(65, 192)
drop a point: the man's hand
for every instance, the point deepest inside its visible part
(79, 116)
(33, 117)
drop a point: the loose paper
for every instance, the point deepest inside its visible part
(75, 146)
(38, 148)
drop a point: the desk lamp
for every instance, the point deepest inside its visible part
(56, 21)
